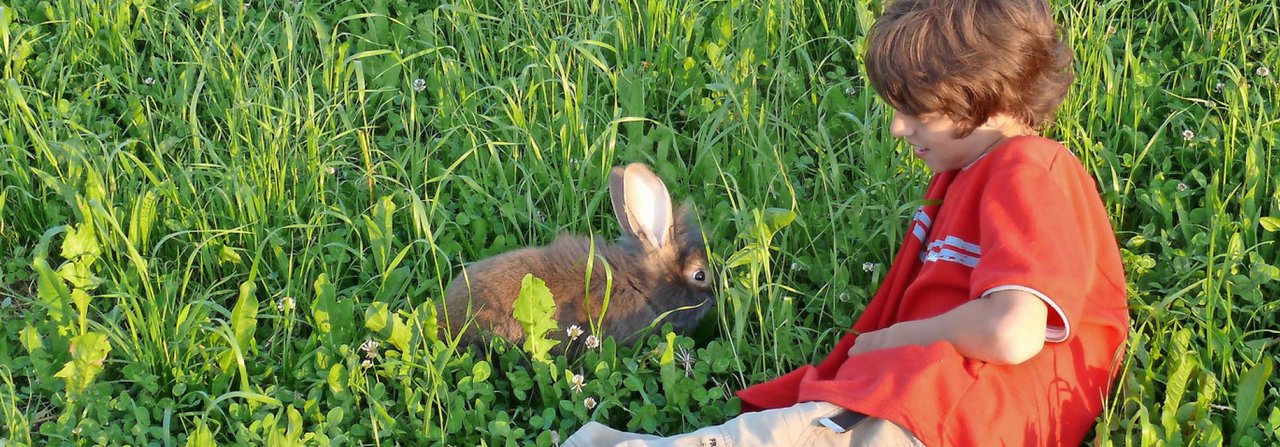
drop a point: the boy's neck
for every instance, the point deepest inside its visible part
(999, 131)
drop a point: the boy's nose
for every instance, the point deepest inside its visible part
(898, 127)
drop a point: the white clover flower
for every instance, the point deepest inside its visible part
(1187, 135)
(419, 84)
(573, 332)
(593, 342)
(149, 81)
(369, 346)
(1262, 71)
(555, 438)
(589, 402)
(686, 360)
(796, 266)
(1219, 86)
(1111, 29)
(366, 363)
(330, 169)
(1182, 186)
(577, 382)
(285, 303)
(869, 267)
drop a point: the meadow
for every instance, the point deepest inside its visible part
(229, 223)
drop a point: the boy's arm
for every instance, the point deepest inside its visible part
(1006, 327)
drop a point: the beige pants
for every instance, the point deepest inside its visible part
(796, 425)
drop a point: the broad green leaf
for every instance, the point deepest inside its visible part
(295, 426)
(334, 318)
(81, 240)
(143, 218)
(88, 351)
(393, 285)
(670, 374)
(1251, 392)
(52, 291)
(79, 275)
(669, 350)
(481, 371)
(400, 334)
(1174, 390)
(1271, 224)
(378, 228)
(337, 378)
(81, 300)
(778, 218)
(244, 317)
(428, 321)
(535, 310)
(30, 338)
(388, 325)
(377, 316)
(323, 305)
(201, 437)
(228, 255)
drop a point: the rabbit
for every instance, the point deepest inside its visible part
(659, 264)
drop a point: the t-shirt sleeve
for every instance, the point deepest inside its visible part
(1032, 241)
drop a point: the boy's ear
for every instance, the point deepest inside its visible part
(996, 121)
(1002, 121)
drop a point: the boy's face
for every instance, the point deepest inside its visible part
(932, 140)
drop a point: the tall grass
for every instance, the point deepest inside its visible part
(229, 222)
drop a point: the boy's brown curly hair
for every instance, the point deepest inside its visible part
(970, 60)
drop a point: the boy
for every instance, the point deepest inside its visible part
(1001, 317)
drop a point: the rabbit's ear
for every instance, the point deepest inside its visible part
(642, 204)
(617, 191)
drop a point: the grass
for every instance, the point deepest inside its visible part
(226, 222)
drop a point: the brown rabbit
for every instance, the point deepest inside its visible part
(659, 264)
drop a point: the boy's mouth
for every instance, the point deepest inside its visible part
(920, 151)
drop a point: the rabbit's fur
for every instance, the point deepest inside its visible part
(659, 264)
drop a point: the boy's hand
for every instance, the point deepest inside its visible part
(874, 340)
(1007, 327)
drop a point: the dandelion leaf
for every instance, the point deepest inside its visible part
(88, 351)
(535, 310)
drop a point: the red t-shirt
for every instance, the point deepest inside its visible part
(1025, 216)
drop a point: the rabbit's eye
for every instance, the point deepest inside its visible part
(699, 276)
